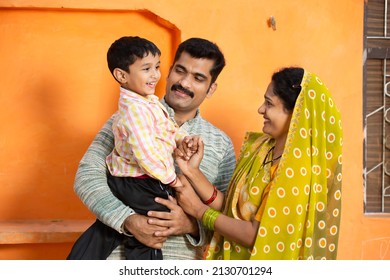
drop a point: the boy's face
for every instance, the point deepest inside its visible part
(143, 75)
(188, 83)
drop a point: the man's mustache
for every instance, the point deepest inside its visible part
(180, 88)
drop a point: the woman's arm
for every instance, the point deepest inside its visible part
(240, 231)
(205, 190)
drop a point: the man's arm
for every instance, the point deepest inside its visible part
(91, 181)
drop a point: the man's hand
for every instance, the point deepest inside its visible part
(138, 226)
(175, 222)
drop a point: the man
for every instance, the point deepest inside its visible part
(191, 78)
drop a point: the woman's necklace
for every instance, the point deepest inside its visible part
(266, 160)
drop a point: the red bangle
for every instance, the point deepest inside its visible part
(212, 198)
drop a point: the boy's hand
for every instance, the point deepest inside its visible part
(177, 183)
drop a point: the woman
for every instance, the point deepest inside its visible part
(284, 198)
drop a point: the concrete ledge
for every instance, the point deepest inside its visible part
(41, 231)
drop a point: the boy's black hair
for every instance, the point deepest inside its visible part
(124, 51)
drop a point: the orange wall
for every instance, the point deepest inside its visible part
(56, 90)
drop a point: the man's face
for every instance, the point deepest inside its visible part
(188, 83)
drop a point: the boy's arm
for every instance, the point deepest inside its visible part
(137, 131)
(92, 188)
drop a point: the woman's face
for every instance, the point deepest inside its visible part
(276, 117)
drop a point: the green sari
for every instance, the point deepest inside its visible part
(299, 207)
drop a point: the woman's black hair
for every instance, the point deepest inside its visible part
(287, 85)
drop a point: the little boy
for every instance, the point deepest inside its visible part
(141, 166)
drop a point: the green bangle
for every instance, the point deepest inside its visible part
(209, 217)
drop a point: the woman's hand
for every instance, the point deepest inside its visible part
(191, 165)
(188, 200)
(188, 146)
